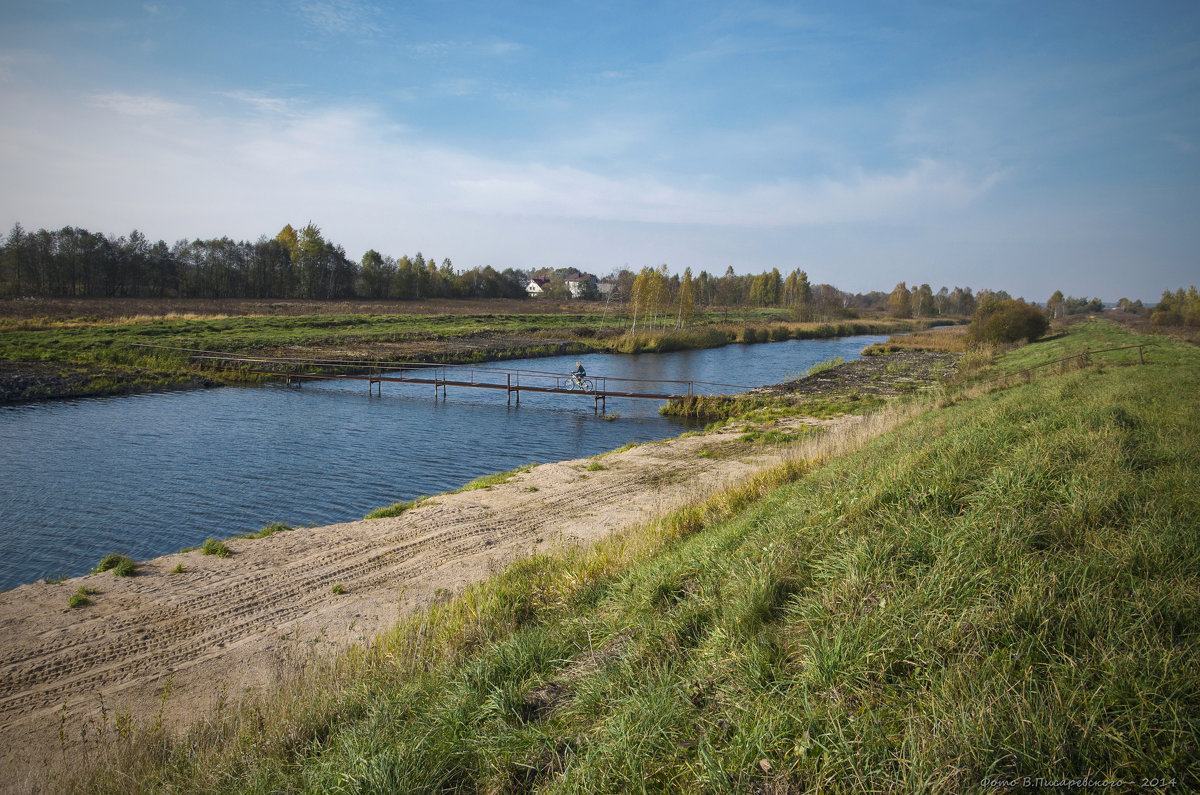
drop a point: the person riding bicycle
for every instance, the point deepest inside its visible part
(579, 373)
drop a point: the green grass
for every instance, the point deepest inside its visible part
(217, 548)
(828, 364)
(112, 341)
(1089, 335)
(338, 589)
(178, 569)
(621, 449)
(119, 565)
(395, 509)
(107, 358)
(268, 530)
(495, 479)
(1005, 586)
(80, 597)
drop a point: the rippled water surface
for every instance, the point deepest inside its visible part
(146, 475)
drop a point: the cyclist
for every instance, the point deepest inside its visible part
(579, 374)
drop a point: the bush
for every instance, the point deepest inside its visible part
(80, 597)
(214, 547)
(119, 565)
(1006, 321)
(1178, 308)
(1167, 317)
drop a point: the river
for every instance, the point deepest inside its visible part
(146, 475)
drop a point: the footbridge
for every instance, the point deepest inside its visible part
(514, 381)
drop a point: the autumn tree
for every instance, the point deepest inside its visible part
(900, 301)
(798, 295)
(650, 296)
(922, 302)
(290, 240)
(687, 300)
(1054, 307)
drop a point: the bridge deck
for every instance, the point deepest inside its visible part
(297, 369)
(442, 382)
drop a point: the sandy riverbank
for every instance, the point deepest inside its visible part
(223, 626)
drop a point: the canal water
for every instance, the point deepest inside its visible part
(146, 475)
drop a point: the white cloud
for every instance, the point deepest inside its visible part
(460, 49)
(504, 47)
(175, 170)
(261, 103)
(926, 189)
(137, 104)
(342, 17)
(427, 48)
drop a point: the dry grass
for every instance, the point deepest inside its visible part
(108, 310)
(948, 339)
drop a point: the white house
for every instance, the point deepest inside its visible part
(534, 288)
(577, 283)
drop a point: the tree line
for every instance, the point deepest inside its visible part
(302, 264)
(75, 263)
(661, 299)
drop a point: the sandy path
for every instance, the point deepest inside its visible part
(226, 625)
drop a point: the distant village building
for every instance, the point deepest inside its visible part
(577, 283)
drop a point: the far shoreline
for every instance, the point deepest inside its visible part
(24, 381)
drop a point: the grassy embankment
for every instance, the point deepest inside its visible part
(67, 356)
(1003, 585)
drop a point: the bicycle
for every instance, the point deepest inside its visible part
(582, 384)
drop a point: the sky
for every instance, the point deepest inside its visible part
(1025, 146)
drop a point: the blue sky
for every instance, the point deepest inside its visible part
(1023, 146)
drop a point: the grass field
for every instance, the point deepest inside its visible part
(92, 347)
(1004, 585)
